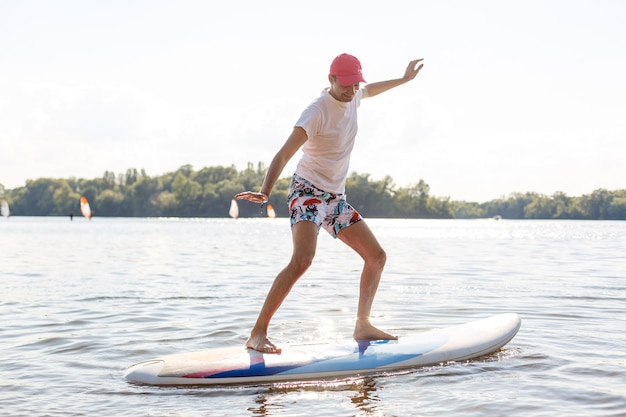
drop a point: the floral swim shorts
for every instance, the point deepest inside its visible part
(328, 210)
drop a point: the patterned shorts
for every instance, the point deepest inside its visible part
(328, 210)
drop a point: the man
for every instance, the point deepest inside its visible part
(326, 132)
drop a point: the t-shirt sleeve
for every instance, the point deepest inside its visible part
(311, 121)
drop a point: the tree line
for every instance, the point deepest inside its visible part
(208, 192)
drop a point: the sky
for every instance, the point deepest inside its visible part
(514, 96)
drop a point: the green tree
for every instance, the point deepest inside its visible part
(38, 196)
(372, 198)
(132, 176)
(596, 205)
(413, 201)
(250, 178)
(165, 204)
(562, 206)
(540, 207)
(466, 210)
(143, 197)
(109, 180)
(187, 193)
(617, 208)
(64, 199)
(111, 203)
(213, 175)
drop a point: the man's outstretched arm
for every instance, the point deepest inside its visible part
(370, 90)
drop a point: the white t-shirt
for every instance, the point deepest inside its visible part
(331, 128)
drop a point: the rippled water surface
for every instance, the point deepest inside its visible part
(81, 300)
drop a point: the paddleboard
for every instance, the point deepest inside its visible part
(238, 365)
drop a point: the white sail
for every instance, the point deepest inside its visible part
(271, 213)
(4, 208)
(234, 209)
(84, 207)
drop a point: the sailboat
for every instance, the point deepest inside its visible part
(84, 208)
(4, 208)
(234, 209)
(271, 213)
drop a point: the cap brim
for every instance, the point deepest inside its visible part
(346, 80)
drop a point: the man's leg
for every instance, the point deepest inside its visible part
(361, 239)
(304, 235)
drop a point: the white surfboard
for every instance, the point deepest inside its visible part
(238, 365)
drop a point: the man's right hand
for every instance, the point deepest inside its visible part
(255, 197)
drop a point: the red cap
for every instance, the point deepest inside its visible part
(347, 69)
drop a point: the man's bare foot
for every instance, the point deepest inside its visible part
(363, 330)
(261, 343)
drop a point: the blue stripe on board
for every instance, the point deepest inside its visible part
(352, 362)
(366, 356)
(373, 355)
(258, 369)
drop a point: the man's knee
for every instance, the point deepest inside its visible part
(378, 259)
(304, 246)
(301, 262)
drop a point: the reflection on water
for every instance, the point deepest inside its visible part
(361, 391)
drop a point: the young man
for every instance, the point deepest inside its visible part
(326, 132)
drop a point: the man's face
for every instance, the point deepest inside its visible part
(340, 92)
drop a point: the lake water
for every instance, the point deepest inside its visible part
(81, 300)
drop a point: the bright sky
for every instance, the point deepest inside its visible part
(514, 96)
